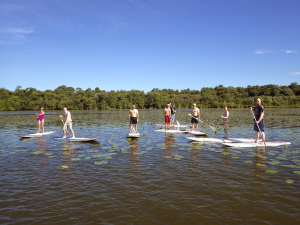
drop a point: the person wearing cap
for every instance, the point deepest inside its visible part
(195, 113)
(167, 112)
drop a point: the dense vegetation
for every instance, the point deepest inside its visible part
(233, 97)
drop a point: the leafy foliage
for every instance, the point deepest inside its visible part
(234, 97)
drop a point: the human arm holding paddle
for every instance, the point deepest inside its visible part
(67, 123)
(259, 125)
(195, 112)
(261, 115)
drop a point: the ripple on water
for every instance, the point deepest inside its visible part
(157, 179)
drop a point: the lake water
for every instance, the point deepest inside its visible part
(157, 179)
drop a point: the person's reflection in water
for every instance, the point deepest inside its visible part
(169, 140)
(68, 150)
(41, 158)
(260, 161)
(42, 144)
(168, 149)
(260, 189)
(134, 154)
(226, 166)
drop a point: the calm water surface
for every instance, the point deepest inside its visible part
(157, 179)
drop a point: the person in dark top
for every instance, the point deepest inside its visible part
(173, 111)
(259, 112)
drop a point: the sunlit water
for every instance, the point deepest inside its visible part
(157, 179)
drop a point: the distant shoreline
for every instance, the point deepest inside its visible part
(273, 96)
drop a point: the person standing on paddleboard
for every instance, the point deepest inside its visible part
(195, 113)
(259, 112)
(173, 111)
(41, 119)
(133, 115)
(225, 119)
(68, 122)
(167, 112)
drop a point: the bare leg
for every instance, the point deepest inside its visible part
(263, 135)
(64, 133)
(168, 126)
(130, 128)
(72, 132)
(43, 125)
(226, 130)
(39, 126)
(256, 136)
(196, 126)
(136, 128)
(165, 126)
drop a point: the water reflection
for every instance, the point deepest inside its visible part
(197, 185)
(134, 154)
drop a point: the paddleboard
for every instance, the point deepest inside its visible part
(216, 140)
(77, 139)
(162, 125)
(249, 145)
(171, 131)
(133, 135)
(38, 134)
(197, 133)
(221, 140)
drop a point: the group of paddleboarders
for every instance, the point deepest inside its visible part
(259, 124)
(67, 123)
(169, 111)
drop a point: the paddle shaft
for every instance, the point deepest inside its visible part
(214, 129)
(262, 137)
(66, 129)
(176, 120)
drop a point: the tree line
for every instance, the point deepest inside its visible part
(219, 96)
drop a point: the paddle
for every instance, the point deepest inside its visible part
(214, 129)
(177, 121)
(66, 129)
(258, 128)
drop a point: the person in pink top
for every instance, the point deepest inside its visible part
(41, 119)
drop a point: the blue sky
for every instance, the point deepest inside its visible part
(146, 44)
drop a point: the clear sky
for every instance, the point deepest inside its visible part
(146, 44)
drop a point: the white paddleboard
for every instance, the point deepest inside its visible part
(216, 140)
(171, 131)
(249, 145)
(38, 134)
(221, 140)
(77, 139)
(197, 133)
(133, 135)
(162, 125)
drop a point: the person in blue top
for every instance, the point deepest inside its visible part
(259, 113)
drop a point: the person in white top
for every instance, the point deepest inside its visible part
(133, 115)
(68, 122)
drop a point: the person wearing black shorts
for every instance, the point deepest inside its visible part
(133, 120)
(195, 113)
(133, 115)
(259, 112)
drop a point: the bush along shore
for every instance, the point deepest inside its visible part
(233, 97)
